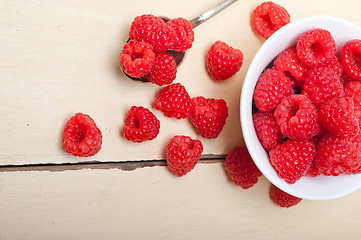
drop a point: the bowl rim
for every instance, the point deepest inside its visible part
(249, 135)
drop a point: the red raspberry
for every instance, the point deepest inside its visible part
(282, 198)
(164, 70)
(152, 30)
(297, 117)
(313, 171)
(357, 142)
(184, 34)
(345, 79)
(315, 46)
(289, 63)
(271, 87)
(353, 90)
(241, 169)
(223, 61)
(292, 159)
(136, 58)
(140, 125)
(174, 101)
(268, 17)
(338, 117)
(335, 64)
(81, 136)
(337, 155)
(182, 154)
(350, 56)
(209, 116)
(321, 85)
(266, 128)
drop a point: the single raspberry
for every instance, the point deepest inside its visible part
(335, 64)
(140, 125)
(321, 85)
(270, 89)
(353, 90)
(164, 70)
(297, 117)
(82, 137)
(152, 30)
(292, 159)
(184, 34)
(282, 198)
(223, 61)
(268, 17)
(315, 46)
(182, 154)
(338, 117)
(337, 155)
(289, 63)
(240, 168)
(266, 128)
(357, 142)
(174, 101)
(350, 57)
(137, 58)
(209, 116)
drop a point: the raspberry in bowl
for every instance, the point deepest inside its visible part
(309, 141)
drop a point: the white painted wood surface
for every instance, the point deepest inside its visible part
(61, 57)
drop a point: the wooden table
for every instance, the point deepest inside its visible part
(61, 57)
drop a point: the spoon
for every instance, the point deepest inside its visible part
(179, 56)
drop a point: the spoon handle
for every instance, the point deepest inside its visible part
(210, 13)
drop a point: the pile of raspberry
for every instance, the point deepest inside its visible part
(150, 37)
(307, 111)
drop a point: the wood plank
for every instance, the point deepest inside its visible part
(151, 203)
(61, 57)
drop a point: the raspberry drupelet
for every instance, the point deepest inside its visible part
(81, 135)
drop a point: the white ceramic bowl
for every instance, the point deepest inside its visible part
(321, 187)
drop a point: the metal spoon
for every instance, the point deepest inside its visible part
(179, 56)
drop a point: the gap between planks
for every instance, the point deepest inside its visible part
(121, 165)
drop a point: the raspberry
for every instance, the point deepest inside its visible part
(345, 79)
(357, 142)
(350, 56)
(297, 117)
(82, 137)
(337, 155)
(268, 17)
(313, 171)
(140, 125)
(164, 70)
(335, 64)
(315, 46)
(282, 198)
(338, 117)
(271, 87)
(266, 128)
(353, 90)
(209, 116)
(240, 168)
(292, 159)
(182, 154)
(136, 58)
(174, 101)
(321, 85)
(152, 30)
(184, 34)
(223, 61)
(289, 62)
